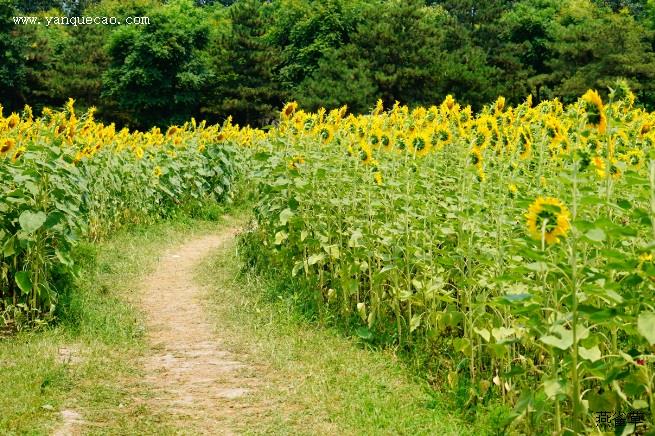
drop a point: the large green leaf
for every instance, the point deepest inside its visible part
(24, 282)
(646, 326)
(31, 221)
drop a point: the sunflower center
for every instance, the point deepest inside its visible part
(419, 144)
(549, 218)
(443, 135)
(593, 113)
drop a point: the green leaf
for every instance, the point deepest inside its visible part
(315, 258)
(31, 221)
(537, 266)
(552, 388)
(563, 342)
(646, 326)
(364, 333)
(23, 281)
(64, 258)
(9, 250)
(280, 237)
(484, 333)
(596, 235)
(285, 215)
(593, 354)
(415, 322)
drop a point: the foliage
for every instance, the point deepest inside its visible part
(64, 178)
(246, 89)
(158, 72)
(244, 58)
(515, 245)
(12, 73)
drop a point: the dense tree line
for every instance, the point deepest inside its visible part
(245, 58)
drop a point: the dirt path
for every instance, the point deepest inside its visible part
(192, 377)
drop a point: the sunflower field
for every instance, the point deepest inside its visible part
(63, 178)
(513, 247)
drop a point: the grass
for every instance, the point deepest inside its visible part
(309, 379)
(317, 380)
(89, 360)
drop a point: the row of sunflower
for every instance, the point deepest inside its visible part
(64, 177)
(511, 249)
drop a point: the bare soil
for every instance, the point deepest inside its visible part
(192, 377)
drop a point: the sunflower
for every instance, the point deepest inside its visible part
(289, 109)
(157, 171)
(524, 145)
(401, 143)
(475, 156)
(378, 108)
(374, 138)
(548, 218)
(599, 165)
(500, 104)
(634, 158)
(420, 143)
(18, 153)
(443, 135)
(378, 178)
(595, 110)
(385, 141)
(449, 102)
(326, 133)
(559, 145)
(365, 153)
(13, 120)
(6, 145)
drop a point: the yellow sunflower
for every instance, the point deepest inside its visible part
(289, 109)
(420, 143)
(595, 110)
(634, 158)
(475, 156)
(599, 165)
(365, 153)
(500, 104)
(548, 218)
(6, 145)
(18, 153)
(378, 107)
(524, 145)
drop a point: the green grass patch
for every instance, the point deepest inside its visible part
(319, 380)
(88, 360)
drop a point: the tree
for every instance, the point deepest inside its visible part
(246, 86)
(158, 72)
(593, 47)
(307, 30)
(524, 50)
(12, 68)
(402, 51)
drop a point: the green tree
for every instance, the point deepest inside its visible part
(158, 72)
(402, 51)
(246, 86)
(525, 39)
(12, 68)
(307, 30)
(593, 47)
